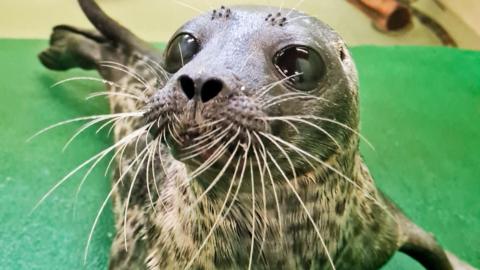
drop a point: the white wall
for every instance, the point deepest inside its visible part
(468, 10)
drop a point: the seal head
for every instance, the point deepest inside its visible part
(239, 75)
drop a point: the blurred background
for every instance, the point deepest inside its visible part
(156, 20)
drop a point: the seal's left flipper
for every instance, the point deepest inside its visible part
(421, 245)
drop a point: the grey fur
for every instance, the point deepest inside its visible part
(358, 227)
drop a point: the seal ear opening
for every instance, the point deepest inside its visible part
(111, 29)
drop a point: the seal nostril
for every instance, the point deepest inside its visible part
(187, 85)
(211, 89)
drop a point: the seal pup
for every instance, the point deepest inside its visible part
(237, 147)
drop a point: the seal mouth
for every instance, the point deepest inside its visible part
(211, 146)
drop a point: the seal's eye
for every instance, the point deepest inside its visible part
(181, 50)
(302, 65)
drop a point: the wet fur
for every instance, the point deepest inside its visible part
(165, 229)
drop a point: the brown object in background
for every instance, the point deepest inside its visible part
(387, 15)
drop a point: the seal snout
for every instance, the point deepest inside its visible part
(200, 89)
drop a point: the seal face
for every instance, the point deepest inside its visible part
(240, 72)
(264, 95)
(238, 147)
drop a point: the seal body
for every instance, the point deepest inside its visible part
(232, 164)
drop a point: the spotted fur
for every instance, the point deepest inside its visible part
(359, 228)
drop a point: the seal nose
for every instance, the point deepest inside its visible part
(205, 90)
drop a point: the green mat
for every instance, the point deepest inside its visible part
(420, 108)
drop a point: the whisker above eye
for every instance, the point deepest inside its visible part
(188, 6)
(295, 7)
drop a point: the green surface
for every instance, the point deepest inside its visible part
(420, 108)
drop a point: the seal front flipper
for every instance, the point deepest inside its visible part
(71, 47)
(421, 245)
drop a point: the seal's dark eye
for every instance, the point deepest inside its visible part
(181, 50)
(302, 65)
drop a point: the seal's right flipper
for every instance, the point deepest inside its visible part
(115, 32)
(71, 47)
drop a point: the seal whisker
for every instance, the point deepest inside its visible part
(213, 158)
(195, 152)
(172, 134)
(92, 117)
(175, 132)
(211, 123)
(158, 67)
(146, 151)
(84, 178)
(254, 216)
(85, 163)
(166, 141)
(281, 6)
(83, 78)
(162, 164)
(104, 204)
(147, 173)
(189, 6)
(217, 178)
(82, 182)
(219, 216)
(295, 7)
(89, 171)
(275, 195)
(298, 18)
(299, 198)
(246, 61)
(306, 154)
(88, 125)
(145, 59)
(128, 70)
(82, 129)
(204, 138)
(157, 148)
(112, 159)
(283, 118)
(270, 86)
(116, 94)
(362, 137)
(181, 54)
(261, 170)
(114, 122)
(289, 96)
